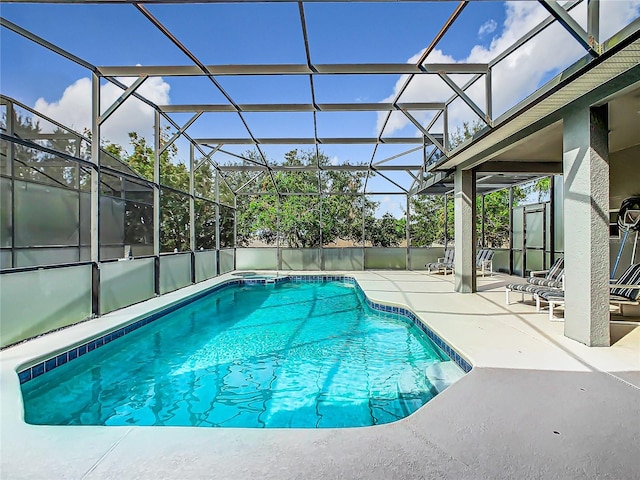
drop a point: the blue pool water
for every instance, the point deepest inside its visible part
(308, 355)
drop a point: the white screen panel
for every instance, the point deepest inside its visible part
(257, 258)
(534, 260)
(534, 233)
(205, 265)
(385, 258)
(226, 261)
(343, 258)
(300, 258)
(518, 228)
(35, 302)
(125, 283)
(500, 260)
(6, 226)
(517, 263)
(175, 272)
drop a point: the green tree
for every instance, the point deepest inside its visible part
(427, 220)
(299, 204)
(386, 231)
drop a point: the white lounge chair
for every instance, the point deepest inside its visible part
(553, 278)
(624, 291)
(443, 263)
(484, 261)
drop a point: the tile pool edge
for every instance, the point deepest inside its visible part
(50, 362)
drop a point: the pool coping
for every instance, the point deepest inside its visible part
(49, 361)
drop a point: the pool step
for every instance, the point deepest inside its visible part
(443, 374)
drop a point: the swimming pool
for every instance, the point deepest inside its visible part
(293, 354)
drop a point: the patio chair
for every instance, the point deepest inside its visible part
(443, 263)
(553, 278)
(624, 291)
(484, 260)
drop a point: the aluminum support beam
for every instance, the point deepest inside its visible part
(393, 157)
(235, 228)
(446, 221)
(466, 99)
(218, 175)
(94, 231)
(483, 220)
(315, 194)
(180, 131)
(302, 107)
(245, 159)
(424, 131)
(593, 21)
(571, 26)
(10, 152)
(121, 99)
(249, 182)
(312, 141)
(511, 230)
(95, 172)
(408, 233)
(391, 181)
(313, 168)
(294, 69)
(156, 186)
(207, 158)
(278, 252)
(488, 94)
(192, 205)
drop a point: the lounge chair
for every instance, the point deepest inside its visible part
(624, 291)
(443, 263)
(552, 279)
(484, 260)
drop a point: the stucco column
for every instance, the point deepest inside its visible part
(465, 232)
(586, 232)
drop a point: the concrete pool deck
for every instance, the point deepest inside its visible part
(535, 405)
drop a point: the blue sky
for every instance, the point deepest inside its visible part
(271, 33)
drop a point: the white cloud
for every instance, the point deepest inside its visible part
(488, 27)
(73, 108)
(517, 76)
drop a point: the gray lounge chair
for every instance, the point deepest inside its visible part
(443, 263)
(484, 261)
(624, 291)
(553, 279)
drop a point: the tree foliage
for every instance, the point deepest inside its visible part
(312, 207)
